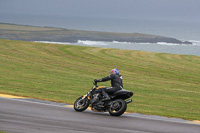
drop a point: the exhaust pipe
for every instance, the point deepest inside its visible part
(128, 101)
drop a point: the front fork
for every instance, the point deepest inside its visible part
(87, 95)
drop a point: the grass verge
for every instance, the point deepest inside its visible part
(164, 84)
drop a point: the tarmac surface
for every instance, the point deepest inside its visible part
(18, 115)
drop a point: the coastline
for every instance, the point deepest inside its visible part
(51, 34)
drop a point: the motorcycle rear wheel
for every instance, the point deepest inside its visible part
(118, 107)
(81, 104)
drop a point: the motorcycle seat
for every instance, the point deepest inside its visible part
(123, 93)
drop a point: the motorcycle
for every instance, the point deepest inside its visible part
(116, 106)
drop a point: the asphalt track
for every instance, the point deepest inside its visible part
(31, 116)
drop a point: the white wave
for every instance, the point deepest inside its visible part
(53, 42)
(195, 42)
(159, 43)
(87, 42)
(169, 44)
(117, 42)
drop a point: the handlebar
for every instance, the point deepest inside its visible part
(95, 83)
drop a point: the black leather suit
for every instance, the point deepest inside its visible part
(116, 83)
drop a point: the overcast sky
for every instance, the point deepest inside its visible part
(132, 9)
(172, 18)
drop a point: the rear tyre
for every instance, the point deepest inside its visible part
(81, 104)
(118, 107)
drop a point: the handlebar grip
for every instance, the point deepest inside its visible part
(95, 83)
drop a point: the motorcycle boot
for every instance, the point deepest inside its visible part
(105, 95)
(106, 98)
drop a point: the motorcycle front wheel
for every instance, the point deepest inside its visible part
(118, 107)
(81, 104)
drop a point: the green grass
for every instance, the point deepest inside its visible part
(163, 84)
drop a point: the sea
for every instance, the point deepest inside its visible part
(184, 30)
(160, 47)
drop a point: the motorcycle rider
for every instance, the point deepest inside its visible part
(116, 84)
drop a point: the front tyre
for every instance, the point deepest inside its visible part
(81, 104)
(118, 107)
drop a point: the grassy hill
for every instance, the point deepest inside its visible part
(163, 84)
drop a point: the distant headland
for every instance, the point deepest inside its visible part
(34, 33)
